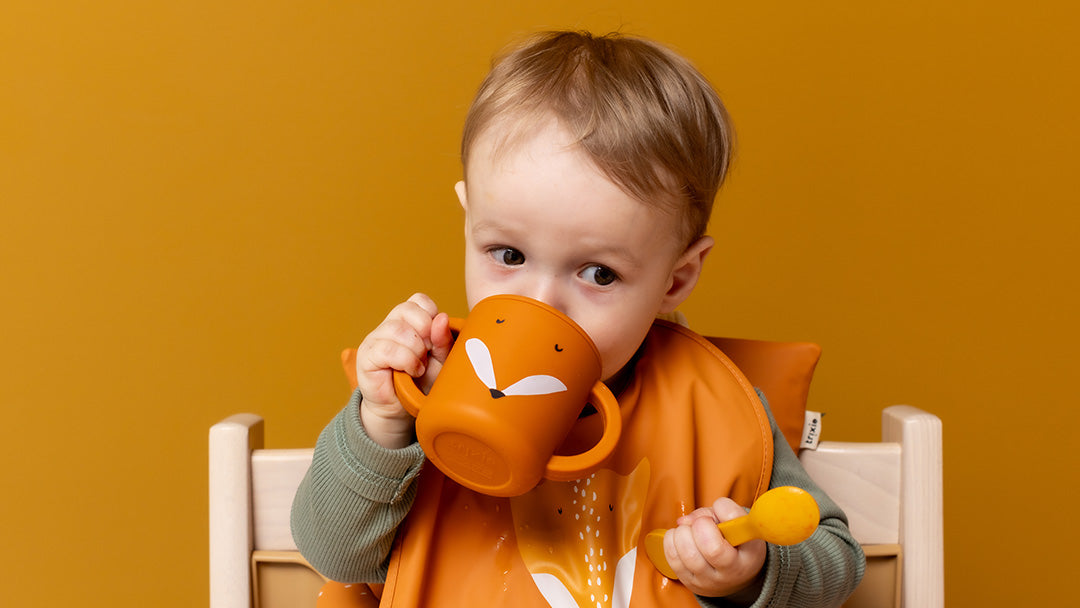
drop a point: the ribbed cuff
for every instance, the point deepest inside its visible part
(365, 467)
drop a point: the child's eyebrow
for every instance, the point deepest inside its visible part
(485, 227)
(600, 250)
(623, 254)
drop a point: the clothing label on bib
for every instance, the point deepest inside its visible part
(811, 430)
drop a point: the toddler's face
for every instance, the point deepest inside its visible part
(541, 221)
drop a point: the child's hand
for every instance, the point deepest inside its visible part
(704, 561)
(414, 338)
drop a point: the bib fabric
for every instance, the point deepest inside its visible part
(694, 430)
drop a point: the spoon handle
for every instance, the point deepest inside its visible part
(739, 530)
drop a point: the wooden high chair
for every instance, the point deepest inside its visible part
(891, 491)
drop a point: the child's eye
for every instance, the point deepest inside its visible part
(600, 275)
(508, 256)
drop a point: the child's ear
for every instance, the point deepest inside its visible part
(460, 189)
(685, 274)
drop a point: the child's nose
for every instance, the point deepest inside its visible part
(548, 291)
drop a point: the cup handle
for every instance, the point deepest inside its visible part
(570, 468)
(412, 398)
(410, 395)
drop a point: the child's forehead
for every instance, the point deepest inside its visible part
(511, 135)
(537, 149)
(521, 139)
(546, 159)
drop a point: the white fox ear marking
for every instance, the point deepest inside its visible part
(480, 357)
(554, 591)
(624, 579)
(535, 385)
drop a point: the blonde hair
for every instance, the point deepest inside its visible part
(642, 113)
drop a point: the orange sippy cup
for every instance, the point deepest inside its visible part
(512, 387)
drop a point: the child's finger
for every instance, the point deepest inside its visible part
(406, 319)
(684, 556)
(713, 547)
(725, 509)
(441, 338)
(441, 341)
(393, 354)
(398, 332)
(689, 518)
(425, 303)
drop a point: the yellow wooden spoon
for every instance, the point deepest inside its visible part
(782, 516)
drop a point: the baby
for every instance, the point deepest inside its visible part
(590, 168)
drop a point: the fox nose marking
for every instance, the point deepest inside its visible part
(496, 393)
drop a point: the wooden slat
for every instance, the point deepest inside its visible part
(231, 442)
(864, 479)
(284, 579)
(275, 477)
(921, 522)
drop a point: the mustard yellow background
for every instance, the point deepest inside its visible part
(202, 202)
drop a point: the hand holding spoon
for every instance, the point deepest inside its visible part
(782, 516)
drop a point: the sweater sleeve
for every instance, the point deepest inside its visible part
(821, 571)
(352, 500)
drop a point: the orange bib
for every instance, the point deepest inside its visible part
(694, 430)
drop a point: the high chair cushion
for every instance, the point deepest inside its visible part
(782, 370)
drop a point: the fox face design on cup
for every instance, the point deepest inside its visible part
(480, 358)
(512, 387)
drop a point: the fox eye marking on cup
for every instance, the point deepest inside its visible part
(480, 358)
(557, 349)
